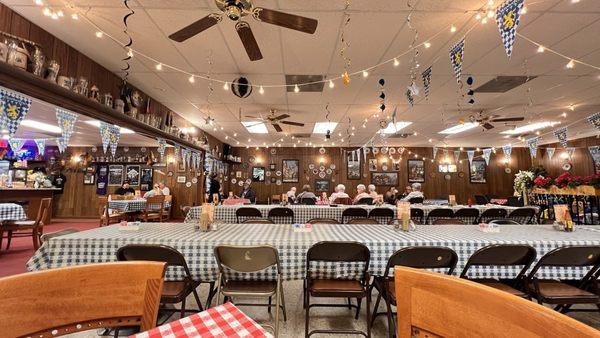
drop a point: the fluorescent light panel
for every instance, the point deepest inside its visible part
(392, 129)
(459, 128)
(530, 127)
(41, 126)
(96, 124)
(323, 127)
(254, 127)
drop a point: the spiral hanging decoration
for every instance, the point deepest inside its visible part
(129, 43)
(344, 44)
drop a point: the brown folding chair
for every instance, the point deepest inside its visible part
(185, 209)
(417, 215)
(153, 210)
(343, 201)
(83, 297)
(281, 215)
(167, 207)
(365, 201)
(363, 221)
(247, 212)
(492, 214)
(420, 257)
(115, 197)
(323, 221)
(561, 294)
(108, 216)
(233, 260)
(383, 215)
(448, 221)
(354, 213)
(318, 284)
(258, 221)
(504, 255)
(33, 228)
(467, 215)
(176, 291)
(523, 215)
(439, 213)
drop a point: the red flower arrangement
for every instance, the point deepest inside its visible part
(543, 182)
(567, 180)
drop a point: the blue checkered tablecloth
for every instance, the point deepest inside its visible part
(304, 213)
(101, 244)
(132, 205)
(11, 212)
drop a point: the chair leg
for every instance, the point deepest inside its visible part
(1, 238)
(368, 314)
(303, 285)
(10, 233)
(269, 307)
(211, 294)
(198, 300)
(358, 301)
(283, 303)
(183, 308)
(277, 304)
(307, 310)
(34, 238)
(390, 319)
(349, 303)
(375, 309)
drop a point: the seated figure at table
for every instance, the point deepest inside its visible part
(306, 193)
(415, 193)
(407, 190)
(156, 191)
(373, 191)
(165, 190)
(391, 195)
(248, 193)
(125, 189)
(291, 195)
(361, 193)
(340, 192)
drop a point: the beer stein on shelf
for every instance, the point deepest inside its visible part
(52, 71)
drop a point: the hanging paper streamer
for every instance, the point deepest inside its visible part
(115, 136)
(550, 152)
(471, 154)
(532, 144)
(382, 95)
(409, 97)
(41, 145)
(570, 152)
(594, 120)
(435, 149)
(105, 135)
(188, 158)
(13, 107)
(16, 144)
(66, 122)
(183, 155)
(456, 58)
(507, 18)
(162, 145)
(456, 156)
(62, 144)
(486, 155)
(507, 150)
(426, 81)
(561, 135)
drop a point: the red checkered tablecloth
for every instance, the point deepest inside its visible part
(221, 321)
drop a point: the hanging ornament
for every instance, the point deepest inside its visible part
(435, 150)
(409, 97)
(470, 155)
(16, 144)
(470, 91)
(456, 58)
(241, 87)
(346, 78)
(456, 156)
(41, 146)
(507, 18)
(486, 155)
(532, 144)
(426, 75)
(561, 135)
(550, 152)
(594, 120)
(13, 107)
(507, 150)
(344, 44)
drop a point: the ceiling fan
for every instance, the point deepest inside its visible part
(276, 120)
(486, 121)
(236, 10)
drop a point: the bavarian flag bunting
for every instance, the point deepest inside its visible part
(456, 58)
(66, 123)
(507, 18)
(41, 145)
(13, 108)
(16, 144)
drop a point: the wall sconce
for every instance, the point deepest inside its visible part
(321, 160)
(170, 159)
(258, 160)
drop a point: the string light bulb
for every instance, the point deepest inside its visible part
(524, 10)
(192, 79)
(60, 13)
(226, 86)
(75, 16)
(571, 64)
(490, 14)
(365, 73)
(331, 84)
(478, 16)
(99, 34)
(46, 11)
(261, 90)
(484, 21)
(130, 53)
(452, 29)
(159, 67)
(396, 62)
(296, 89)
(541, 49)
(427, 44)
(39, 2)
(54, 16)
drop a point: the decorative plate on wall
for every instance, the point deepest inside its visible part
(384, 167)
(315, 171)
(322, 168)
(375, 151)
(278, 173)
(251, 159)
(447, 177)
(461, 174)
(322, 174)
(322, 150)
(249, 181)
(188, 184)
(241, 183)
(126, 149)
(170, 173)
(195, 180)
(507, 170)
(332, 166)
(94, 149)
(143, 149)
(367, 150)
(278, 182)
(384, 150)
(399, 150)
(233, 181)
(311, 166)
(392, 151)
(273, 151)
(268, 173)
(566, 166)
(329, 171)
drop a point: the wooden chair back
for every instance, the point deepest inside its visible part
(81, 298)
(43, 211)
(116, 197)
(469, 309)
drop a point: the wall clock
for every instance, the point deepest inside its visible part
(566, 166)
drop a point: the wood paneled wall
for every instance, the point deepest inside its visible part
(499, 183)
(582, 163)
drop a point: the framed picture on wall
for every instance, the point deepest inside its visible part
(115, 175)
(372, 164)
(477, 172)
(595, 153)
(384, 178)
(290, 171)
(272, 166)
(133, 174)
(258, 174)
(416, 171)
(353, 168)
(322, 186)
(88, 179)
(181, 179)
(181, 167)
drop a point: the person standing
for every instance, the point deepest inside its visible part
(215, 188)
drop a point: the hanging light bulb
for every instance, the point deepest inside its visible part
(130, 53)
(484, 21)
(541, 49)
(365, 73)
(478, 16)
(54, 16)
(524, 10)
(396, 62)
(490, 14)
(331, 84)
(60, 13)
(99, 34)
(452, 29)
(226, 86)
(39, 2)
(75, 16)
(427, 44)
(261, 90)
(159, 66)
(296, 89)
(46, 11)
(571, 64)
(192, 79)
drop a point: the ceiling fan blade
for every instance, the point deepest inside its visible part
(196, 28)
(509, 119)
(277, 127)
(291, 123)
(295, 22)
(488, 126)
(252, 125)
(247, 37)
(252, 117)
(280, 117)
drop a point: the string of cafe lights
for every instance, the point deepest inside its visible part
(484, 13)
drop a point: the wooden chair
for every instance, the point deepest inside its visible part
(81, 298)
(323, 221)
(447, 221)
(167, 208)
(354, 212)
(33, 228)
(244, 213)
(153, 210)
(107, 216)
(436, 305)
(439, 213)
(258, 221)
(281, 215)
(275, 199)
(362, 221)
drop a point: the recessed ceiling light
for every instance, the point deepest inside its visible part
(41, 126)
(254, 127)
(392, 129)
(459, 128)
(96, 124)
(530, 127)
(323, 127)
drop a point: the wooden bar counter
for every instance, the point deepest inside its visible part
(31, 195)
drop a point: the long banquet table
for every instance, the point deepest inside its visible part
(101, 244)
(304, 213)
(132, 205)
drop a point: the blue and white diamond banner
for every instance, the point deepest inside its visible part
(532, 144)
(426, 75)
(177, 151)
(14, 107)
(570, 152)
(16, 144)
(550, 152)
(594, 120)
(508, 17)
(507, 150)
(41, 145)
(105, 135)
(561, 135)
(61, 143)
(66, 123)
(456, 156)
(115, 136)
(486, 155)
(470, 155)
(456, 58)
(162, 145)
(435, 149)
(184, 155)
